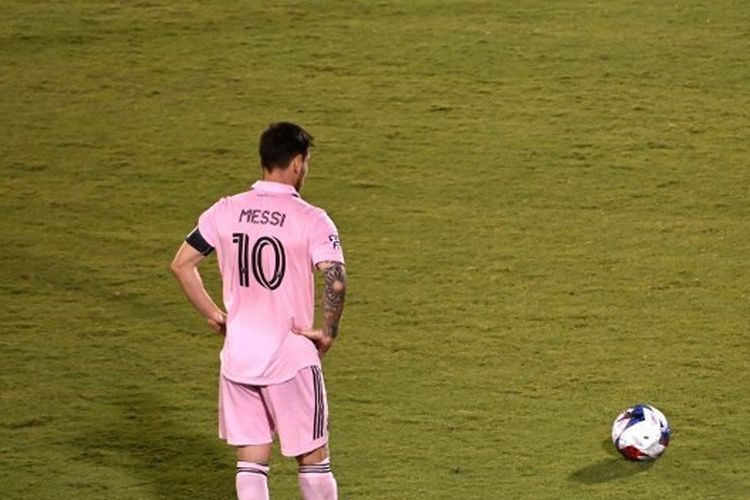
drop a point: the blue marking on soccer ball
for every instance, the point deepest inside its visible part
(636, 415)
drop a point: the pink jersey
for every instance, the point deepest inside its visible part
(267, 242)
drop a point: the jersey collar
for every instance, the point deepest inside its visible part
(274, 187)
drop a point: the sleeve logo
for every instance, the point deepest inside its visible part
(334, 239)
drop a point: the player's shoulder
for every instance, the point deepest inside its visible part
(309, 209)
(232, 199)
(322, 219)
(223, 205)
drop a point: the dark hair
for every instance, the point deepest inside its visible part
(281, 142)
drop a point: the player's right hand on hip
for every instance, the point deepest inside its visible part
(218, 322)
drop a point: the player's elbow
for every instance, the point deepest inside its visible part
(176, 268)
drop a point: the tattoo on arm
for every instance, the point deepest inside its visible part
(335, 291)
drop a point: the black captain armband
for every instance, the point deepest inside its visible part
(195, 239)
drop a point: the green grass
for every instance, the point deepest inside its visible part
(544, 207)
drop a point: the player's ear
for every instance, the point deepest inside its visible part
(297, 164)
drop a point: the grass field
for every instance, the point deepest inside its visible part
(544, 207)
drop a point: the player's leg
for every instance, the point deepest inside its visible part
(316, 481)
(245, 424)
(300, 412)
(252, 472)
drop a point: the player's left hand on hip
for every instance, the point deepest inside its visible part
(322, 341)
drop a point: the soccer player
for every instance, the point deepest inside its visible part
(268, 242)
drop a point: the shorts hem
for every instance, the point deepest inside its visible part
(314, 445)
(233, 441)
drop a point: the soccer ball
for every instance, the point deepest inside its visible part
(641, 433)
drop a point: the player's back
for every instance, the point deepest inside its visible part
(267, 241)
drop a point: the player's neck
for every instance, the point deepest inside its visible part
(280, 176)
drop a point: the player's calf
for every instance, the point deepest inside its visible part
(316, 481)
(252, 481)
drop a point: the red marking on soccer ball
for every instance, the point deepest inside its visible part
(632, 453)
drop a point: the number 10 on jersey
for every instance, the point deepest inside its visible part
(248, 259)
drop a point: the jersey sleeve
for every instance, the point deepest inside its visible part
(325, 244)
(208, 224)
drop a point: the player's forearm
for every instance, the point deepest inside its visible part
(333, 301)
(192, 286)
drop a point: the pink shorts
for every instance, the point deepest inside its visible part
(296, 410)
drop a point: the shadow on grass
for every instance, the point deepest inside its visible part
(609, 469)
(609, 447)
(144, 437)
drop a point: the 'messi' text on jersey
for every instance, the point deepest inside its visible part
(254, 216)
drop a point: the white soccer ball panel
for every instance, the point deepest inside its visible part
(641, 433)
